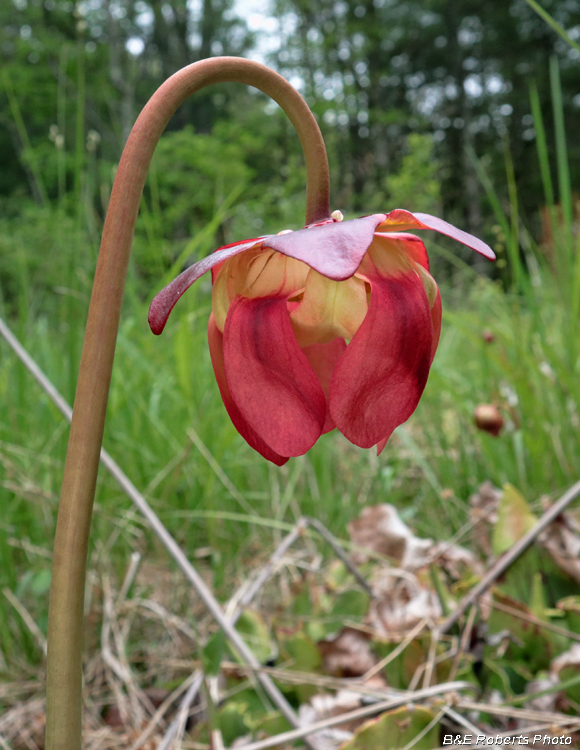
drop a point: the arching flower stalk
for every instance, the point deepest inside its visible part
(335, 325)
(284, 308)
(65, 619)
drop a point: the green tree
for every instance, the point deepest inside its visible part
(381, 69)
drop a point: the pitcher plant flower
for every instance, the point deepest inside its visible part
(332, 326)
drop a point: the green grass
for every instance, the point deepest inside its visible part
(164, 386)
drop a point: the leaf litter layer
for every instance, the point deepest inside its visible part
(339, 653)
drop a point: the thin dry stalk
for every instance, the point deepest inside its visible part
(118, 667)
(26, 618)
(339, 552)
(535, 620)
(462, 721)
(167, 469)
(435, 720)
(510, 712)
(233, 610)
(501, 565)
(212, 698)
(430, 666)
(220, 473)
(414, 681)
(294, 677)
(460, 533)
(171, 622)
(160, 713)
(465, 637)
(395, 652)
(177, 726)
(360, 713)
(130, 575)
(31, 549)
(16, 722)
(12, 689)
(574, 721)
(99, 738)
(246, 594)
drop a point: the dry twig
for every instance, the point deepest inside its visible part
(503, 563)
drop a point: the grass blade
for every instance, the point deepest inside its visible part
(542, 146)
(513, 244)
(28, 155)
(553, 23)
(561, 148)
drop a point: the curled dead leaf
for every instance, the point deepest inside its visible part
(570, 658)
(380, 530)
(323, 707)
(399, 604)
(347, 655)
(562, 540)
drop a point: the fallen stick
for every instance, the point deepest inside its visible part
(159, 529)
(177, 726)
(233, 610)
(517, 713)
(528, 617)
(361, 713)
(340, 553)
(27, 618)
(465, 637)
(503, 563)
(241, 599)
(462, 721)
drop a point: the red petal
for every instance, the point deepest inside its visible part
(334, 250)
(400, 220)
(323, 358)
(436, 313)
(164, 302)
(381, 445)
(269, 376)
(215, 339)
(379, 380)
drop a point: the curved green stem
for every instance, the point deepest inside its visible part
(65, 625)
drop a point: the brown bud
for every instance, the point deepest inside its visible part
(488, 336)
(488, 419)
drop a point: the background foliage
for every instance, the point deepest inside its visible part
(468, 110)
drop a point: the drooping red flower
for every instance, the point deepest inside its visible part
(334, 325)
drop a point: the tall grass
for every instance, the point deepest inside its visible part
(164, 387)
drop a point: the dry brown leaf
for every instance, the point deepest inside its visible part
(401, 600)
(562, 540)
(570, 658)
(325, 706)
(547, 702)
(380, 529)
(347, 655)
(455, 559)
(113, 718)
(399, 604)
